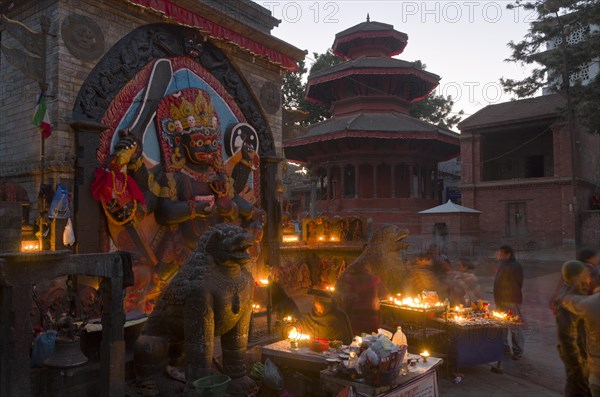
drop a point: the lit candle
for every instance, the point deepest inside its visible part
(425, 355)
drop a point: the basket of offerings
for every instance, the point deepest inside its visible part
(380, 362)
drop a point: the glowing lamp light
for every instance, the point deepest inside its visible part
(289, 319)
(330, 288)
(424, 355)
(321, 238)
(499, 315)
(415, 303)
(30, 246)
(294, 336)
(263, 281)
(290, 238)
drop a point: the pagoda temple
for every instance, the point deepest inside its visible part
(372, 158)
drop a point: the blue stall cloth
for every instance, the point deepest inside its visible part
(474, 345)
(60, 207)
(43, 347)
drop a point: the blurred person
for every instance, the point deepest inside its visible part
(422, 277)
(508, 297)
(588, 308)
(571, 330)
(468, 280)
(326, 319)
(359, 292)
(591, 258)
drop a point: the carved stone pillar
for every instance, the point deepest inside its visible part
(90, 234)
(272, 206)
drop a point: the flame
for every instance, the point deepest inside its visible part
(414, 303)
(264, 281)
(290, 238)
(425, 353)
(30, 246)
(500, 315)
(295, 335)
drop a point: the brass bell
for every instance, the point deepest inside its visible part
(67, 353)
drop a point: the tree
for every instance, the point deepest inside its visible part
(557, 20)
(294, 88)
(435, 109)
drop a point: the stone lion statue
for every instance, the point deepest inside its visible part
(210, 296)
(370, 277)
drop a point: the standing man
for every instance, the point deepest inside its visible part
(508, 284)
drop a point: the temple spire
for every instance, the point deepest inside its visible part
(368, 18)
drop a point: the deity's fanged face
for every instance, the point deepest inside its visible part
(201, 147)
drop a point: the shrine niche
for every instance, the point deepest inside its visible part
(181, 152)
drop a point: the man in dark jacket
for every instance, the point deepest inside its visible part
(508, 296)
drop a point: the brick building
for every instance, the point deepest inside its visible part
(517, 170)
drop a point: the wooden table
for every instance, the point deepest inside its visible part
(299, 367)
(421, 381)
(302, 359)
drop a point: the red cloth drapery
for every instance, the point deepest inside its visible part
(103, 187)
(188, 18)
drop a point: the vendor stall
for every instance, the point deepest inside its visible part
(467, 336)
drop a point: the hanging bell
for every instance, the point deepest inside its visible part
(67, 353)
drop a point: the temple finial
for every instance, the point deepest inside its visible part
(368, 18)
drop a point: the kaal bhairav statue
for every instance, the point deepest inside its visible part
(210, 296)
(202, 174)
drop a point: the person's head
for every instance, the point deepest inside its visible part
(322, 306)
(322, 301)
(588, 255)
(505, 252)
(576, 273)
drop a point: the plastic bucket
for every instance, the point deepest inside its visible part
(212, 385)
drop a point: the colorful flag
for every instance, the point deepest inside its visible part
(40, 118)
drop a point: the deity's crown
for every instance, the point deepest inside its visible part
(183, 104)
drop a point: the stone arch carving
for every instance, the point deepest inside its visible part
(149, 42)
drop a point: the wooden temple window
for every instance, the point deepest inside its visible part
(321, 184)
(384, 181)
(335, 177)
(349, 187)
(402, 181)
(365, 177)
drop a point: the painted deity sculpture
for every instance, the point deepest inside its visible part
(210, 296)
(161, 205)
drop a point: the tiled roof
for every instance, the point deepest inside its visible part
(365, 27)
(541, 107)
(370, 62)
